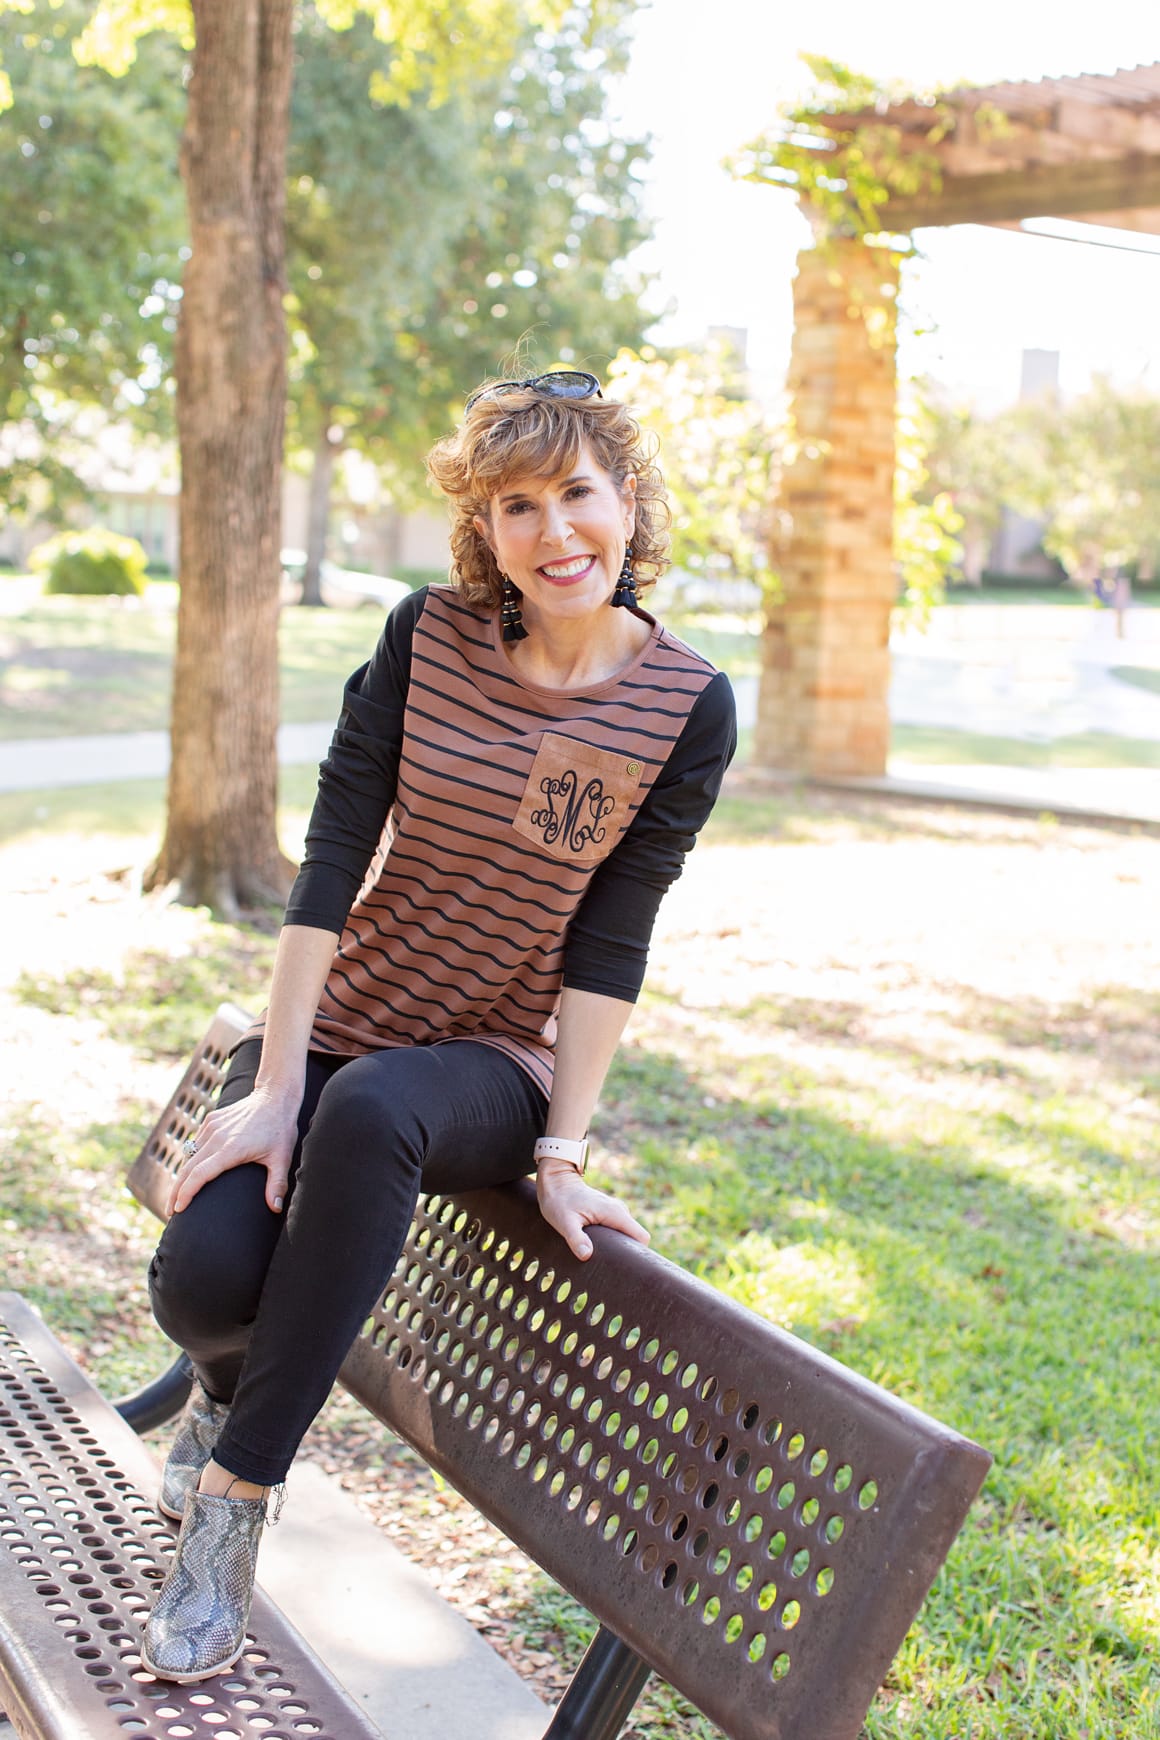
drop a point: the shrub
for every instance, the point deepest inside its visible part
(91, 562)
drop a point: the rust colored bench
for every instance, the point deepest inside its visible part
(742, 1515)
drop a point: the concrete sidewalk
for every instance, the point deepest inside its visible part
(38, 763)
(1109, 795)
(414, 1664)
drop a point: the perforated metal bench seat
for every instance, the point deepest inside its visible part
(757, 1523)
(82, 1549)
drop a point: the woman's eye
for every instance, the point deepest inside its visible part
(579, 489)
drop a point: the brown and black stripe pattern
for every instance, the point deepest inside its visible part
(508, 798)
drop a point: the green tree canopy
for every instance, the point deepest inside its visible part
(1089, 468)
(91, 228)
(428, 244)
(1086, 467)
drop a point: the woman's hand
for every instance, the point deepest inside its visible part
(569, 1205)
(259, 1130)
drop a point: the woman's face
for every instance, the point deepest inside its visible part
(561, 540)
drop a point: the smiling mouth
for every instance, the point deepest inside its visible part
(561, 573)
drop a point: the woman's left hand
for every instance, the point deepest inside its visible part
(570, 1205)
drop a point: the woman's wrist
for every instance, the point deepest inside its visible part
(278, 1091)
(561, 1150)
(552, 1172)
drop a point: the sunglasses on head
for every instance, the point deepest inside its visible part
(556, 384)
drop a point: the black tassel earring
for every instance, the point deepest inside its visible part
(625, 594)
(513, 624)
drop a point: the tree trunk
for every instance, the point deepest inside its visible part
(221, 842)
(318, 519)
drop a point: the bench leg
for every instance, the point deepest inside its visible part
(601, 1693)
(159, 1401)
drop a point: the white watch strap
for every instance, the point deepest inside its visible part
(561, 1148)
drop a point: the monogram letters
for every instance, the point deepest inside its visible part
(574, 812)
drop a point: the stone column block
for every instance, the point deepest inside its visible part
(823, 703)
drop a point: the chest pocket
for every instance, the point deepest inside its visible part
(575, 804)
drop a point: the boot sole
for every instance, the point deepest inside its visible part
(219, 1667)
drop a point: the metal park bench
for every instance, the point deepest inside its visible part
(742, 1515)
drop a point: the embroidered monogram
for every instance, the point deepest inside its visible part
(574, 811)
(577, 799)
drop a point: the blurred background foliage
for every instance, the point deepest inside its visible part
(441, 232)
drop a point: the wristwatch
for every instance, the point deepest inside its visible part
(561, 1148)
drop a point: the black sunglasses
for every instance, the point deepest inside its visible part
(556, 384)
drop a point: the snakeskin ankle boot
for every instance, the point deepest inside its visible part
(198, 1430)
(198, 1624)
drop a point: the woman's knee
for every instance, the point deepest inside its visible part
(207, 1274)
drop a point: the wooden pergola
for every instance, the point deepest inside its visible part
(1086, 149)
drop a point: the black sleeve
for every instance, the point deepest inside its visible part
(358, 779)
(608, 939)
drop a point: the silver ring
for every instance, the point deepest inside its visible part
(189, 1148)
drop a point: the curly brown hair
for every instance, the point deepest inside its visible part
(521, 433)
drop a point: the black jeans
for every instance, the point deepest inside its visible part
(267, 1305)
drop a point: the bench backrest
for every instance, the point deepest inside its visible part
(756, 1521)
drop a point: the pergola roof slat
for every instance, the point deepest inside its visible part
(1086, 144)
(1031, 190)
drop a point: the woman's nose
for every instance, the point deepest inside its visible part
(557, 527)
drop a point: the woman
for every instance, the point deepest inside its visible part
(513, 783)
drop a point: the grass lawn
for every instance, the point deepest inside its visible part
(1142, 597)
(940, 746)
(894, 1083)
(74, 666)
(1138, 677)
(77, 666)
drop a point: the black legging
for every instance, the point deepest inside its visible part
(267, 1305)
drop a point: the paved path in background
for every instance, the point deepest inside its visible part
(42, 762)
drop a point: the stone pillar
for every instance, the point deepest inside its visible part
(823, 700)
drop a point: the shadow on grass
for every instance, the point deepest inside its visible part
(1118, 1026)
(62, 691)
(161, 1005)
(1137, 677)
(755, 811)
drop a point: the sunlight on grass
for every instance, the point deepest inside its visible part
(940, 746)
(807, 1281)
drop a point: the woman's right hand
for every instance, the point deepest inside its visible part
(259, 1130)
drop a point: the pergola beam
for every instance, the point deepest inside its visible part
(1034, 190)
(1067, 128)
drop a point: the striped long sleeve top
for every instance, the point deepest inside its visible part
(481, 843)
